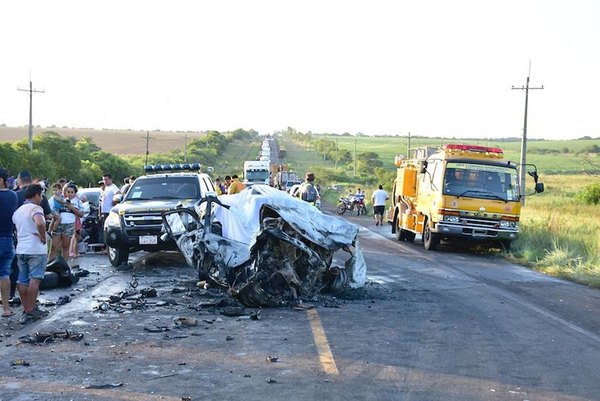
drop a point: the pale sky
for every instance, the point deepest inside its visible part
(434, 68)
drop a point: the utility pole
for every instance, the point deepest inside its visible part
(355, 136)
(147, 146)
(522, 168)
(31, 92)
(408, 146)
(337, 152)
(185, 148)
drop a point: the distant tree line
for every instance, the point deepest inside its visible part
(369, 167)
(82, 161)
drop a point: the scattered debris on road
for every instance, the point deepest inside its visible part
(42, 338)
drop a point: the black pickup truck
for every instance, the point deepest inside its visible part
(135, 223)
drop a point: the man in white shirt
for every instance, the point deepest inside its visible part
(107, 195)
(106, 199)
(32, 251)
(378, 198)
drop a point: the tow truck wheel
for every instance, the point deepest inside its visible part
(399, 231)
(430, 240)
(118, 256)
(505, 245)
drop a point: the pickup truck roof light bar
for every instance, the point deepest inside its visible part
(154, 168)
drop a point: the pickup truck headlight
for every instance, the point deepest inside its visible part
(113, 220)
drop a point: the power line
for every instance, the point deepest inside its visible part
(522, 168)
(31, 92)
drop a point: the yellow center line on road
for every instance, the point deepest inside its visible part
(325, 355)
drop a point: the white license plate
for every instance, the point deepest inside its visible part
(148, 240)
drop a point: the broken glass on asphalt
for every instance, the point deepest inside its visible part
(268, 248)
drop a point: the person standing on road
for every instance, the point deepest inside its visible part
(236, 185)
(64, 232)
(378, 198)
(32, 252)
(24, 179)
(8, 205)
(109, 190)
(107, 195)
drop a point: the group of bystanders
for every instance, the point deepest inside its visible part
(28, 221)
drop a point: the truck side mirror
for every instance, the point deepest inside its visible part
(423, 167)
(539, 187)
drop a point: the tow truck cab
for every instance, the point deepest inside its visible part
(460, 191)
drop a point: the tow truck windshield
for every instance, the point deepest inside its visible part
(481, 181)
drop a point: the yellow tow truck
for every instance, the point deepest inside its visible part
(465, 192)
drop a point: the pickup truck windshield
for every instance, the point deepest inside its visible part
(159, 188)
(481, 181)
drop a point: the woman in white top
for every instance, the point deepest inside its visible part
(61, 236)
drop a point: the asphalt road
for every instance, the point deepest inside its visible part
(443, 325)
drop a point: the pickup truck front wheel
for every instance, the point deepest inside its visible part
(118, 256)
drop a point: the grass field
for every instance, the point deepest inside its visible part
(119, 142)
(554, 161)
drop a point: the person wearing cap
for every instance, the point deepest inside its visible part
(32, 251)
(307, 191)
(8, 205)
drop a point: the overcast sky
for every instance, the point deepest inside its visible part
(434, 68)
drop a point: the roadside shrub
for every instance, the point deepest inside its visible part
(590, 195)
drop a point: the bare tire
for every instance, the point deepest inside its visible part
(430, 239)
(118, 256)
(341, 209)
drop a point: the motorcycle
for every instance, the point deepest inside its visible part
(360, 206)
(351, 203)
(345, 203)
(91, 226)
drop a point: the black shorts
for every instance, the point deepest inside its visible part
(379, 209)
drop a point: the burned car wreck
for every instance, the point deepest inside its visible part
(268, 248)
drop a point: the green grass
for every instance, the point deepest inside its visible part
(548, 163)
(559, 235)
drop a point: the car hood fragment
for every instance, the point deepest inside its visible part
(268, 248)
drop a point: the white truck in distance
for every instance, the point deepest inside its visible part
(257, 172)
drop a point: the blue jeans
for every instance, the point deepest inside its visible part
(7, 253)
(31, 267)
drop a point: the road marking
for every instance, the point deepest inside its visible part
(325, 355)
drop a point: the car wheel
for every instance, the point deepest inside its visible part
(118, 256)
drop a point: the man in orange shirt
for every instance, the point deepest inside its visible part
(236, 185)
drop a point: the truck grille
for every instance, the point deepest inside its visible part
(143, 224)
(480, 227)
(480, 223)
